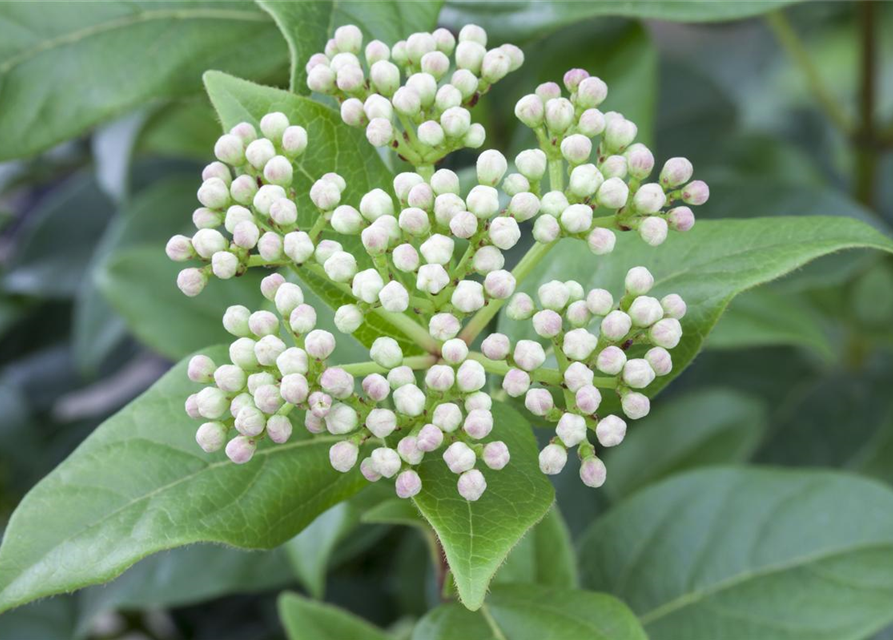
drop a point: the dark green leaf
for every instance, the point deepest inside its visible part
(307, 620)
(544, 556)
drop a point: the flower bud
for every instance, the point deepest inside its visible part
(520, 307)
(471, 376)
(284, 212)
(649, 198)
(179, 248)
(385, 77)
(571, 429)
(588, 399)
(386, 461)
(343, 455)
(577, 314)
(504, 232)
(639, 161)
(337, 382)
(495, 65)
(524, 205)
(201, 369)
(483, 201)
(214, 193)
(319, 344)
(298, 246)
(376, 51)
(341, 266)
(470, 55)
(676, 171)
(578, 344)
(666, 333)
(552, 459)
(593, 472)
(645, 311)
(585, 180)
(614, 167)
(591, 123)
(394, 297)
(529, 355)
(438, 249)
(263, 323)
(577, 376)
(447, 97)
(294, 141)
(235, 320)
(408, 483)
(386, 352)
(405, 258)
(240, 449)
(573, 78)
(348, 38)
(207, 242)
(191, 281)
(459, 457)
(475, 136)
(577, 218)
(447, 417)
(314, 423)
(576, 148)
(538, 402)
(430, 438)
(341, 419)
(546, 229)
(616, 325)
(211, 436)
(211, 403)
(637, 373)
(245, 132)
(440, 377)
(530, 111)
(444, 326)
(487, 259)
(379, 132)
(425, 87)
(619, 133)
(613, 193)
(432, 278)
(325, 194)
(246, 234)
(559, 115)
(321, 78)
(496, 346)
(516, 382)
(638, 281)
(191, 407)
(407, 102)
(610, 431)
(695, 193)
(292, 360)
(414, 221)
(547, 324)
(491, 167)
(381, 422)
(472, 485)
(454, 351)
(267, 398)
(347, 220)
(591, 92)
(499, 284)
(681, 219)
(478, 423)
(478, 400)
(430, 133)
(465, 82)
(367, 468)
(278, 171)
(326, 249)
(268, 349)
(553, 295)
(270, 246)
(409, 400)
(349, 78)
(635, 405)
(229, 378)
(348, 318)
(435, 63)
(611, 360)
(241, 353)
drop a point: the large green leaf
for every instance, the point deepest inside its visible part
(750, 553)
(705, 427)
(477, 536)
(333, 147)
(522, 612)
(100, 59)
(305, 619)
(524, 19)
(544, 556)
(139, 484)
(708, 266)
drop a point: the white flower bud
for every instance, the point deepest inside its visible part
(294, 141)
(613, 193)
(576, 148)
(447, 97)
(241, 353)
(341, 419)
(408, 483)
(179, 248)
(487, 259)
(386, 461)
(418, 45)
(495, 65)
(472, 485)
(425, 86)
(571, 429)
(326, 249)
(263, 323)
(287, 297)
(548, 91)
(496, 455)
(471, 376)
(611, 360)
(645, 311)
(552, 459)
(601, 241)
(319, 344)
(337, 382)
(529, 355)
(432, 278)
(695, 193)
(491, 166)
(447, 417)
(240, 449)
(635, 405)
(379, 132)
(459, 457)
(292, 360)
(470, 55)
(430, 133)
(409, 400)
(577, 314)
(201, 369)
(578, 344)
(468, 296)
(381, 422)
(479, 400)
(348, 318)
(376, 387)
(230, 378)
(367, 468)
(230, 149)
(504, 232)
(591, 123)
(610, 431)
(499, 284)
(211, 403)
(559, 115)
(283, 212)
(211, 436)
(394, 297)
(321, 78)
(245, 132)
(520, 307)
(649, 198)
(343, 455)
(591, 92)
(435, 63)
(577, 376)
(268, 349)
(414, 221)
(538, 402)
(438, 249)
(455, 122)
(516, 382)
(573, 78)
(547, 324)
(218, 170)
(407, 102)
(681, 219)
(224, 265)
(207, 242)
(298, 246)
(639, 161)
(666, 333)
(191, 281)
(577, 218)
(279, 429)
(523, 206)
(619, 133)
(279, 171)
(673, 306)
(349, 38)
(440, 377)
(546, 229)
(676, 172)
(553, 295)
(430, 438)
(454, 351)
(466, 83)
(268, 399)
(349, 78)
(614, 167)
(515, 55)
(444, 326)
(314, 423)
(475, 136)
(616, 325)
(421, 196)
(593, 472)
(347, 220)
(269, 246)
(588, 399)
(325, 194)
(214, 193)
(341, 267)
(191, 406)
(637, 373)
(464, 224)
(386, 352)
(235, 320)
(554, 203)
(532, 164)
(483, 201)
(585, 180)
(638, 281)
(496, 346)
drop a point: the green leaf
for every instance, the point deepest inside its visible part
(528, 611)
(96, 56)
(47, 620)
(305, 619)
(184, 129)
(749, 553)
(139, 484)
(306, 27)
(333, 147)
(544, 556)
(524, 19)
(477, 536)
(705, 427)
(396, 511)
(388, 20)
(708, 266)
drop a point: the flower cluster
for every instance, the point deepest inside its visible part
(429, 260)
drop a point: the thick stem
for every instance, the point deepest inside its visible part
(865, 139)
(500, 368)
(365, 368)
(556, 174)
(425, 170)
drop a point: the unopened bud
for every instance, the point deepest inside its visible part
(471, 485)
(488, 259)
(638, 281)
(591, 92)
(444, 326)
(588, 399)
(386, 461)
(610, 431)
(613, 193)
(696, 192)
(645, 311)
(454, 351)
(343, 455)
(578, 344)
(577, 376)
(552, 459)
(240, 449)
(576, 148)
(381, 422)
(432, 278)
(520, 307)
(529, 355)
(616, 325)
(459, 457)
(635, 405)
(532, 164)
(319, 344)
(546, 229)
(559, 115)
(593, 472)
(191, 281)
(471, 376)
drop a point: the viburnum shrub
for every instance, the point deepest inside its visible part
(435, 268)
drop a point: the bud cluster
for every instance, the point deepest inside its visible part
(415, 96)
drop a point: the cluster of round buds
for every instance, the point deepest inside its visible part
(637, 324)
(248, 192)
(415, 96)
(610, 174)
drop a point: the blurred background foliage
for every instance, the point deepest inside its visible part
(782, 114)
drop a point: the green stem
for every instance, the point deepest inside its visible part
(425, 170)
(482, 318)
(501, 367)
(365, 368)
(317, 227)
(570, 401)
(556, 174)
(865, 140)
(491, 622)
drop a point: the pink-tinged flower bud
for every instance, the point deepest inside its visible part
(571, 429)
(257, 380)
(601, 241)
(259, 153)
(547, 324)
(471, 485)
(240, 449)
(349, 38)
(660, 360)
(448, 97)
(695, 193)
(294, 141)
(386, 462)
(245, 132)
(575, 289)
(314, 423)
(376, 387)
(516, 382)
(591, 123)
(515, 55)
(547, 91)
(266, 196)
(385, 76)
(241, 353)
(349, 78)
(321, 79)
(591, 92)
(348, 318)
(179, 248)
(381, 422)
(347, 220)
(343, 455)
(337, 382)
(552, 459)
(341, 267)
(454, 351)
(573, 78)
(667, 333)
(435, 64)
(470, 55)
(250, 421)
(207, 242)
(681, 219)
(577, 376)
(546, 229)
(191, 281)
(405, 258)
(409, 400)
(341, 419)
(456, 122)
(288, 297)
(613, 193)
(408, 483)
(278, 170)
(611, 360)
(263, 323)
(430, 438)
(588, 399)
(414, 221)
(649, 198)
(432, 278)
(430, 133)
(294, 388)
(487, 259)
(298, 246)
(473, 33)
(419, 44)
(375, 204)
(577, 218)
(438, 249)
(478, 401)
(459, 457)
(520, 307)
(616, 325)
(235, 320)
(585, 181)
(554, 203)
(559, 115)
(471, 376)
(270, 246)
(407, 102)
(576, 148)
(408, 449)
(593, 472)
(578, 344)
(638, 281)
(466, 82)
(319, 344)
(326, 249)
(201, 369)
(637, 373)
(496, 455)
(284, 212)
(495, 65)
(191, 407)
(468, 296)
(532, 164)
(273, 125)
(394, 297)
(268, 399)
(445, 182)
(674, 306)
(367, 468)
(230, 378)
(491, 166)
(386, 352)
(635, 405)
(211, 436)
(447, 417)
(204, 218)
(524, 205)
(421, 196)
(499, 284)
(619, 133)
(653, 230)
(483, 201)
(444, 40)
(645, 311)
(292, 360)
(425, 86)
(444, 326)
(529, 355)
(639, 161)
(610, 431)
(400, 376)
(214, 193)
(325, 194)
(614, 167)
(504, 232)
(553, 295)
(440, 377)
(496, 346)
(676, 171)
(577, 314)
(366, 285)
(230, 149)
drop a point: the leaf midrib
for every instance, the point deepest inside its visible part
(127, 21)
